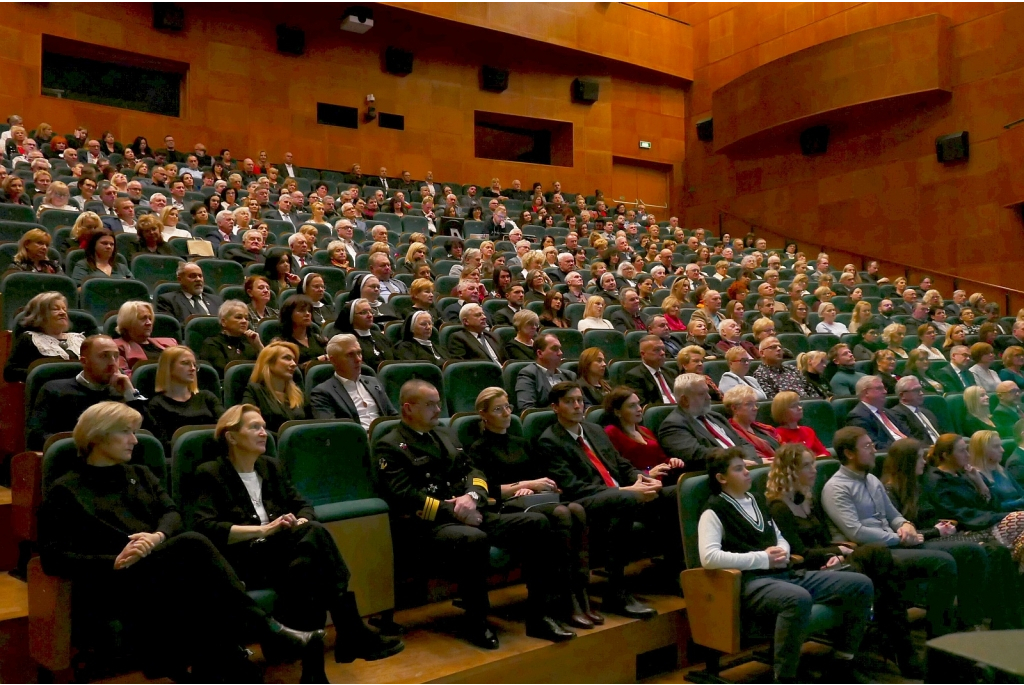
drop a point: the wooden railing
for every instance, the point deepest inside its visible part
(1010, 300)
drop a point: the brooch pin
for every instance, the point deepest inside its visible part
(402, 446)
(132, 481)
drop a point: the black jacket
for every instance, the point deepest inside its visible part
(179, 306)
(684, 437)
(330, 400)
(464, 345)
(503, 316)
(569, 466)
(623, 321)
(274, 413)
(59, 404)
(909, 420)
(641, 380)
(862, 417)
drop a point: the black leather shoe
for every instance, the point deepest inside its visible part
(282, 643)
(481, 635)
(370, 646)
(627, 605)
(547, 628)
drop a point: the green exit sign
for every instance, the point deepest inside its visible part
(645, 145)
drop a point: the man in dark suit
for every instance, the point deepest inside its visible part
(692, 430)
(60, 402)
(124, 219)
(407, 185)
(347, 394)
(382, 180)
(535, 381)
(566, 265)
(467, 293)
(515, 295)
(250, 251)
(284, 212)
(190, 300)
(909, 300)
(1009, 411)
(440, 501)
(921, 424)
(652, 383)
(474, 342)
(956, 377)
(881, 425)
(225, 232)
(628, 318)
(956, 305)
(288, 168)
(883, 318)
(657, 325)
(590, 472)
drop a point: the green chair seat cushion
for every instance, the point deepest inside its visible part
(343, 511)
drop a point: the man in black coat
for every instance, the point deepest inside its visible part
(628, 318)
(250, 251)
(956, 377)
(190, 300)
(882, 425)
(652, 383)
(535, 381)
(515, 297)
(474, 342)
(590, 472)
(439, 499)
(60, 402)
(692, 430)
(911, 413)
(347, 394)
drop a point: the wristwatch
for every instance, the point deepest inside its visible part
(475, 496)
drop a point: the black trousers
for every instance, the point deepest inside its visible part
(304, 567)
(183, 603)
(465, 551)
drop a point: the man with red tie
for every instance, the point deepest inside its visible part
(882, 425)
(651, 381)
(589, 471)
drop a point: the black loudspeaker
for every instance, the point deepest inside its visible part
(706, 130)
(168, 16)
(290, 40)
(814, 141)
(397, 61)
(952, 147)
(585, 91)
(494, 79)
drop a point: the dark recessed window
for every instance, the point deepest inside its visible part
(522, 139)
(395, 121)
(74, 70)
(336, 115)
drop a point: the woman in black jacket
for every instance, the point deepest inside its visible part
(417, 345)
(108, 525)
(272, 386)
(356, 317)
(249, 509)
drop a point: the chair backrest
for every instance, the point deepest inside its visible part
(198, 329)
(144, 378)
(19, 288)
(316, 374)
(618, 369)
(571, 339)
(40, 375)
(381, 426)
(62, 456)
(102, 295)
(821, 418)
(826, 468)
(236, 377)
(154, 268)
(463, 381)
(841, 407)
(535, 422)
(221, 272)
(612, 343)
(447, 331)
(328, 462)
(936, 404)
(392, 375)
(957, 410)
(692, 492)
(654, 414)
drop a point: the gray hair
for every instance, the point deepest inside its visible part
(230, 307)
(468, 309)
(224, 213)
(864, 383)
(685, 383)
(904, 383)
(293, 237)
(335, 344)
(184, 265)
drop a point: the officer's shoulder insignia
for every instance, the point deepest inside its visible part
(383, 463)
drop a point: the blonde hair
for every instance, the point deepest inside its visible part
(781, 403)
(128, 314)
(231, 420)
(168, 358)
(892, 329)
(229, 308)
(261, 373)
(524, 317)
(86, 221)
(592, 303)
(861, 315)
(978, 445)
(37, 311)
(421, 285)
(804, 360)
(486, 396)
(782, 478)
(32, 235)
(972, 401)
(413, 247)
(100, 420)
(534, 259)
(737, 394)
(1010, 352)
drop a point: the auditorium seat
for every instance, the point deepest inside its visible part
(12, 212)
(618, 369)
(611, 342)
(463, 381)
(144, 378)
(236, 377)
(102, 295)
(956, 410)
(218, 273)
(154, 268)
(198, 329)
(571, 339)
(820, 417)
(535, 422)
(654, 414)
(393, 374)
(19, 288)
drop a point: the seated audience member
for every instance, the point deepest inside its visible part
(380, 266)
(658, 326)
(260, 294)
(692, 430)
(920, 423)
(955, 335)
(191, 300)
(860, 509)
(811, 366)
(697, 336)
(466, 292)
(297, 328)
(440, 502)
(729, 330)
(474, 342)
(100, 259)
(958, 493)
(514, 296)
(628, 318)
(919, 366)
(235, 342)
(844, 380)
(297, 556)
(60, 402)
(178, 401)
(670, 306)
(534, 382)
(801, 520)
(986, 450)
(1009, 410)
(608, 288)
(1015, 462)
(1013, 361)
(520, 347)
(796, 321)
(553, 315)
(867, 342)
(422, 296)
(872, 416)
(623, 424)
(536, 286)
(150, 239)
(272, 386)
(368, 287)
(250, 251)
(134, 342)
(787, 413)
(591, 371)
(356, 317)
(278, 272)
(883, 365)
(927, 333)
(593, 316)
(312, 286)
(110, 539)
(739, 365)
(741, 404)
(979, 416)
(417, 344)
(514, 472)
(589, 471)
(650, 381)
(347, 394)
(728, 537)
(33, 253)
(46, 336)
(775, 377)
(892, 336)
(828, 324)
(691, 360)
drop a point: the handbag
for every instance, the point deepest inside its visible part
(527, 502)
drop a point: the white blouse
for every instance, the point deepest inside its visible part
(594, 322)
(835, 328)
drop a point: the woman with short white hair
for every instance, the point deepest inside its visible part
(57, 197)
(828, 324)
(236, 340)
(134, 329)
(47, 335)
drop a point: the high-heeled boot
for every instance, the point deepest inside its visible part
(355, 639)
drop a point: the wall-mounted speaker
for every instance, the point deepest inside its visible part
(585, 91)
(953, 147)
(290, 40)
(493, 79)
(814, 141)
(168, 16)
(397, 61)
(706, 130)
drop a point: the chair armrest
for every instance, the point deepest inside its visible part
(713, 607)
(26, 493)
(49, 618)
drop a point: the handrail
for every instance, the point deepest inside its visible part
(906, 267)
